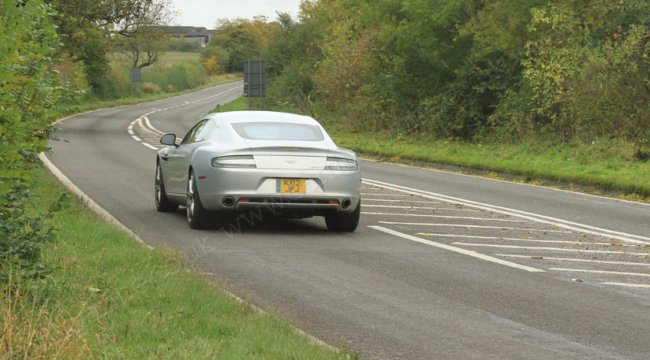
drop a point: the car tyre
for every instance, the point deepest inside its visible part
(197, 216)
(162, 201)
(344, 221)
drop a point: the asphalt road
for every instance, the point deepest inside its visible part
(443, 266)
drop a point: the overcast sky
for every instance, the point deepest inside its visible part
(206, 12)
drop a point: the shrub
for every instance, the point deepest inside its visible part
(151, 88)
(30, 88)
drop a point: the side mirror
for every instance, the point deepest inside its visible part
(168, 139)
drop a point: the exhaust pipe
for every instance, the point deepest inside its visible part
(345, 204)
(228, 201)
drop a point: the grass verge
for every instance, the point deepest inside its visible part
(74, 108)
(109, 297)
(604, 166)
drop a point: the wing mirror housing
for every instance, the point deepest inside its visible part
(169, 140)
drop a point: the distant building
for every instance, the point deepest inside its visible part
(199, 35)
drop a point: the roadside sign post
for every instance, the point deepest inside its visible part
(136, 80)
(255, 81)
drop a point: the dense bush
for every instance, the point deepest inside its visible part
(471, 70)
(183, 45)
(29, 87)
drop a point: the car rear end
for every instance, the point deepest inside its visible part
(301, 174)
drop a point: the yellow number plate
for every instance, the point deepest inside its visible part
(291, 186)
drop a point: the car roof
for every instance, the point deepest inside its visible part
(233, 117)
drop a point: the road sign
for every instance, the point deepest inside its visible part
(136, 74)
(254, 78)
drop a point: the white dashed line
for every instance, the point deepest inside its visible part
(541, 248)
(639, 286)
(149, 146)
(145, 124)
(456, 249)
(472, 226)
(625, 263)
(604, 272)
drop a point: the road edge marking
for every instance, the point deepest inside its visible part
(638, 286)
(96, 208)
(456, 249)
(108, 217)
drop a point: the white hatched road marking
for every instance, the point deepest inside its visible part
(456, 249)
(542, 248)
(640, 286)
(390, 195)
(565, 224)
(401, 201)
(625, 263)
(605, 272)
(472, 226)
(406, 207)
(514, 239)
(444, 217)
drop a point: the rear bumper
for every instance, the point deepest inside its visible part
(244, 189)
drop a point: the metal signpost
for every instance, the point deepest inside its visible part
(254, 81)
(136, 80)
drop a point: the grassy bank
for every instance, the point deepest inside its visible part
(604, 166)
(86, 105)
(109, 297)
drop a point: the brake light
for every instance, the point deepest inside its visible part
(235, 161)
(341, 164)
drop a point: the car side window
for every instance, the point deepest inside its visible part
(206, 131)
(190, 137)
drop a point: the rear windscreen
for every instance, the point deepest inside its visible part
(278, 131)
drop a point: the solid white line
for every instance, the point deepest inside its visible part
(545, 187)
(136, 138)
(640, 286)
(456, 249)
(637, 239)
(623, 273)
(472, 226)
(149, 146)
(573, 260)
(542, 248)
(514, 239)
(130, 132)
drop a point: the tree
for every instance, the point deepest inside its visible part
(90, 30)
(143, 46)
(241, 40)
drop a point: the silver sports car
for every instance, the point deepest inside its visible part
(276, 163)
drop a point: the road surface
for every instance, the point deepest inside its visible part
(442, 266)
